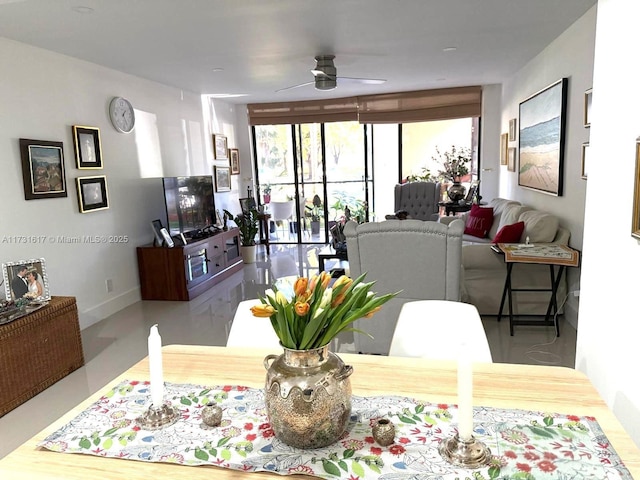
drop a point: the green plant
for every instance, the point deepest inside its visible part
(315, 209)
(426, 176)
(454, 163)
(247, 223)
(309, 313)
(348, 207)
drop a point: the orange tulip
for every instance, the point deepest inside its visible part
(302, 308)
(263, 311)
(370, 314)
(325, 278)
(300, 287)
(313, 282)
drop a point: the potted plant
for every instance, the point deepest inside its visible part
(247, 223)
(266, 193)
(315, 212)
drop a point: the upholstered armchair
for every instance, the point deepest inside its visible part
(422, 259)
(418, 199)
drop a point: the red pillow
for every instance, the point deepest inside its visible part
(510, 233)
(479, 221)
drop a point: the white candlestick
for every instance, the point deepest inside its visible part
(465, 394)
(155, 367)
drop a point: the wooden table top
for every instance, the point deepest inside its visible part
(543, 388)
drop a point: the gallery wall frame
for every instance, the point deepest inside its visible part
(588, 97)
(635, 220)
(222, 179)
(504, 145)
(511, 159)
(92, 193)
(42, 169)
(13, 282)
(234, 158)
(220, 150)
(541, 139)
(585, 160)
(513, 128)
(87, 147)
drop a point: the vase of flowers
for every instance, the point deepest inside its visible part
(454, 166)
(307, 388)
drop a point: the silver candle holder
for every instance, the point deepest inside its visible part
(471, 453)
(156, 418)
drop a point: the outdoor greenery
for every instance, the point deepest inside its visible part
(347, 207)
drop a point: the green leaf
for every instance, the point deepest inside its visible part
(85, 443)
(111, 431)
(357, 469)
(223, 441)
(350, 452)
(404, 419)
(96, 441)
(213, 452)
(548, 421)
(343, 465)
(201, 455)
(226, 454)
(494, 472)
(542, 432)
(108, 443)
(330, 468)
(185, 401)
(419, 408)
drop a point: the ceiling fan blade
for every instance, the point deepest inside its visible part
(320, 73)
(295, 86)
(368, 81)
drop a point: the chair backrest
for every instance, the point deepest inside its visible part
(418, 199)
(437, 329)
(422, 259)
(249, 331)
(282, 210)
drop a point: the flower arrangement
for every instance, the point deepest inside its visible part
(310, 313)
(454, 163)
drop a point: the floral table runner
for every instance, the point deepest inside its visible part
(524, 444)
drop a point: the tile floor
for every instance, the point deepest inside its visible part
(114, 344)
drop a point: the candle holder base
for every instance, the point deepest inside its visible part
(157, 418)
(470, 453)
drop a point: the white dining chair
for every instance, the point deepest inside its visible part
(281, 211)
(249, 331)
(437, 329)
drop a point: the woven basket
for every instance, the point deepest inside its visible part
(37, 350)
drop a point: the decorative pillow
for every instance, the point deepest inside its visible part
(479, 221)
(510, 233)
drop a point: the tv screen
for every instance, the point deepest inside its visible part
(189, 202)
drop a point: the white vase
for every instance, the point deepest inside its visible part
(248, 253)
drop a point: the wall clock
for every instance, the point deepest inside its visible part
(122, 115)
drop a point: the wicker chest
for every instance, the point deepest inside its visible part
(37, 350)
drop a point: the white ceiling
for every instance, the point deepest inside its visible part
(265, 45)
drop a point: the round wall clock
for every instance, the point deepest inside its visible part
(122, 115)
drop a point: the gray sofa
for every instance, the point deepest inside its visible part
(485, 271)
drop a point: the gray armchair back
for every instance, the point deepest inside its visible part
(418, 199)
(423, 259)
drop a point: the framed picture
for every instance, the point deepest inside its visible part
(223, 179)
(92, 193)
(585, 159)
(234, 156)
(247, 204)
(511, 159)
(635, 221)
(513, 125)
(219, 146)
(86, 143)
(504, 145)
(42, 169)
(156, 225)
(541, 139)
(26, 278)
(588, 96)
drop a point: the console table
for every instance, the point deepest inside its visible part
(37, 350)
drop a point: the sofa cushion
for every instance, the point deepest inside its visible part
(510, 233)
(499, 206)
(539, 226)
(479, 221)
(511, 215)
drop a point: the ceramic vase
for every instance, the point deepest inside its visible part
(248, 253)
(307, 396)
(456, 192)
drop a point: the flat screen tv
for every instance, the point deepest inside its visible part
(190, 204)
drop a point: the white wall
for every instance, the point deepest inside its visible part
(490, 130)
(42, 95)
(571, 56)
(609, 329)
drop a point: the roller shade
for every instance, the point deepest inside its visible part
(312, 111)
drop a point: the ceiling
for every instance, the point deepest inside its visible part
(255, 47)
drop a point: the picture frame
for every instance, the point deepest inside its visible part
(247, 204)
(219, 147)
(513, 125)
(222, 179)
(635, 220)
(541, 139)
(42, 169)
(234, 158)
(87, 147)
(585, 160)
(167, 238)
(588, 97)
(92, 193)
(504, 145)
(15, 287)
(156, 225)
(511, 159)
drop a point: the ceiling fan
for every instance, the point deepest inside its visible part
(326, 76)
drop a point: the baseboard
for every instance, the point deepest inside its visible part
(105, 309)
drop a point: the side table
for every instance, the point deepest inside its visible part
(551, 254)
(454, 207)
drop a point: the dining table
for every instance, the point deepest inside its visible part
(497, 385)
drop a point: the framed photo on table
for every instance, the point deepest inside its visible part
(219, 146)
(92, 193)
(26, 277)
(42, 169)
(541, 139)
(222, 178)
(234, 157)
(86, 143)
